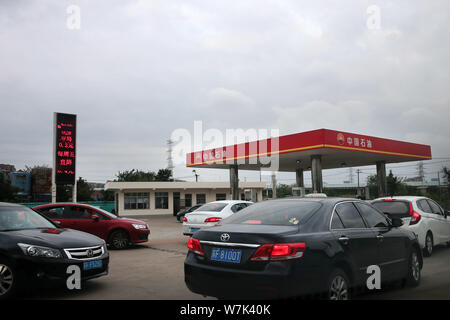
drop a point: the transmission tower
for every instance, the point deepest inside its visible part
(169, 155)
(421, 171)
(350, 174)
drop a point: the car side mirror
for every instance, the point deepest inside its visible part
(446, 214)
(58, 223)
(396, 222)
(95, 217)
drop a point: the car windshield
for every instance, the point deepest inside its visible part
(281, 213)
(19, 218)
(107, 213)
(215, 207)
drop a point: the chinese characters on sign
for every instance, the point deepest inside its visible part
(355, 141)
(65, 148)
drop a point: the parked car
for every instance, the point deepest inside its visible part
(421, 215)
(33, 248)
(210, 214)
(293, 247)
(182, 213)
(116, 231)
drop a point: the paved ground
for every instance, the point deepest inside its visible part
(155, 271)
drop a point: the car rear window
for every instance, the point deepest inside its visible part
(395, 208)
(215, 207)
(280, 213)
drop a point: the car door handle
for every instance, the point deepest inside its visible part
(344, 239)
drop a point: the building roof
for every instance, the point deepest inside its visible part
(133, 185)
(337, 148)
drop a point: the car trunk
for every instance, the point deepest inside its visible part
(242, 243)
(200, 217)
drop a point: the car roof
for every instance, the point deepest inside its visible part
(65, 204)
(328, 200)
(230, 201)
(8, 204)
(408, 198)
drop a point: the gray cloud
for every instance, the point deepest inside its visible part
(137, 70)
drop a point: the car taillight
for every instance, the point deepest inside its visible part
(195, 246)
(213, 219)
(415, 217)
(277, 252)
(184, 219)
(388, 199)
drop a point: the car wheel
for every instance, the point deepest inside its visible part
(119, 239)
(414, 274)
(428, 250)
(8, 280)
(338, 286)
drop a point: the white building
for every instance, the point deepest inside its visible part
(143, 198)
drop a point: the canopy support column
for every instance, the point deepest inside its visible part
(381, 178)
(234, 182)
(316, 174)
(299, 178)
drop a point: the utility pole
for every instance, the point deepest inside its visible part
(358, 172)
(439, 186)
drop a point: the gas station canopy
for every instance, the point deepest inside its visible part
(312, 150)
(336, 148)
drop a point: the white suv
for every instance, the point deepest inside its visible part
(421, 215)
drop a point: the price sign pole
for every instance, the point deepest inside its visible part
(64, 152)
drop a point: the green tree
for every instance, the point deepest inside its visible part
(63, 193)
(395, 184)
(447, 176)
(138, 175)
(164, 175)
(284, 190)
(108, 195)
(84, 190)
(135, 175)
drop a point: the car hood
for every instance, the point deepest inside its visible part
(54, 238)
(129, 220)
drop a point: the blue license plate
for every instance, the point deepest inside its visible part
(194, 229)
(226, 255)
(93, 264)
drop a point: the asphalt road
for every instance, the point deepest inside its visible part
(155, 271)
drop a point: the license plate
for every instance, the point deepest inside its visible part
(194, 229)
(226, 255)
(94, 264)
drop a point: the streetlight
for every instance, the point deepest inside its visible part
(196, 175)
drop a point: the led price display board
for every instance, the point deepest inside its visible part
(65, 148)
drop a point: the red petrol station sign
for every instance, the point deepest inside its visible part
(316, 139)
(65, 148)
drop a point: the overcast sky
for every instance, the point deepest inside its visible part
(137, 70)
